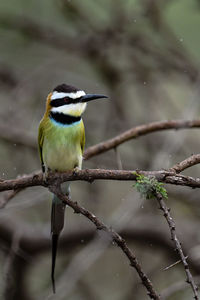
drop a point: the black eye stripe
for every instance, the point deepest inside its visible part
(64, 101)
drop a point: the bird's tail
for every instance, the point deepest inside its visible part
(57, 224)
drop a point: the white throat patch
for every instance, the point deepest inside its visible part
(71, 109)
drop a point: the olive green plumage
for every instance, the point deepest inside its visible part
(61, 147)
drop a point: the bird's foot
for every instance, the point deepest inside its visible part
(46, 176)
(76, 170)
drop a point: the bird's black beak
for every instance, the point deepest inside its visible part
(90, 97)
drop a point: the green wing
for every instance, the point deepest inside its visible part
(40, 145)
(82, 138)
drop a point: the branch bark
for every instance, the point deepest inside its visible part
(187, 163)
(177, 243)
(90, 175)
(115, 237)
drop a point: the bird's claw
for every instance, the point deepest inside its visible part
(75, 170)
(45, 178)
(46, 174)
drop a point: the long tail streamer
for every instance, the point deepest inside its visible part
(57, 224)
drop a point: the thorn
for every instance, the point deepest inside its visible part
(172, 265)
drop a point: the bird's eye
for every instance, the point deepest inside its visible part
(66, 99)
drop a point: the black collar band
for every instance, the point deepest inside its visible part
(64, 119)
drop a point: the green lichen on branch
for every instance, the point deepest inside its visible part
(149, 187)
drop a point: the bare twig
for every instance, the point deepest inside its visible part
(7, 197)
(177, 243)
(137, 131)
(187, 163)
(115, 237)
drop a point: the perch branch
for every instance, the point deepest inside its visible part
(90, 175)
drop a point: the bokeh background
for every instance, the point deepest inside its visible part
(143, 54)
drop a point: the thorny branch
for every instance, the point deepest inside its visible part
(115, 237)
(177, 243)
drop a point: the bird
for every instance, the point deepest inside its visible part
(61, 141)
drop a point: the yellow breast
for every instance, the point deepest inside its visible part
(63, 146)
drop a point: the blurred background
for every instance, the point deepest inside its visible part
(145, 56)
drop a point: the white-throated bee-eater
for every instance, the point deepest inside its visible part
(61, 140)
